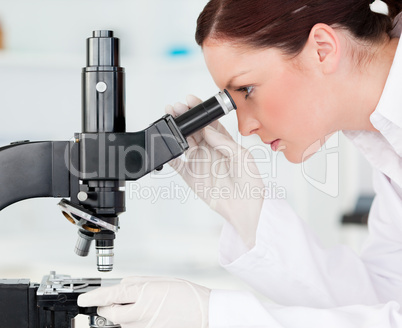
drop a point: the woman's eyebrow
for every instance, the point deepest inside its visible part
(229, 85)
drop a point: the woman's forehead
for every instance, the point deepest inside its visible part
(223, 58)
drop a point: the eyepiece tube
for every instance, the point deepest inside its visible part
(205, 113)
(103, 85)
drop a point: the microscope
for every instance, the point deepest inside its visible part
(89, 174)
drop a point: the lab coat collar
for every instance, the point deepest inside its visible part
(379, 152)
(391, 97)
(387, 117)
(383, 149)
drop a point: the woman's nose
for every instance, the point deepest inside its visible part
(247, 124)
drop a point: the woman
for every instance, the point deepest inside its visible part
(298, 71)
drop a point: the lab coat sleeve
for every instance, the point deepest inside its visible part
(289, 266)
(234, 309)
(382, 253)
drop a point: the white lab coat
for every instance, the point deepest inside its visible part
(319, 287)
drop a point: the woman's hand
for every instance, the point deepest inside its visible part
(222, 173)
(151, 302)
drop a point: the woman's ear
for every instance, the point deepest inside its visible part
(324, 48)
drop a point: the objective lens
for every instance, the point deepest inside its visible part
(83, 242)
(96, 321)
(105, 256)
(105, 251)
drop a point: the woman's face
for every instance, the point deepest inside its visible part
(283, 101)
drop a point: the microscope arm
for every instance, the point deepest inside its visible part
(34, 169)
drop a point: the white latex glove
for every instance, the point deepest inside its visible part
(151, 302)
(222, 173)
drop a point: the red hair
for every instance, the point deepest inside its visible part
(286, 24)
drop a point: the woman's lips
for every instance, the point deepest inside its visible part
(274, 144)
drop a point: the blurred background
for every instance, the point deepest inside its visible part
(43, 52)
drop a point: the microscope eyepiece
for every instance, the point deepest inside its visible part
(205, 113)
(230, 98)
(103, 49)
(102, 34)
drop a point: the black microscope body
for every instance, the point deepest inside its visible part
(91, 169)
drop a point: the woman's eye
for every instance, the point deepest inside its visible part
(247, 90)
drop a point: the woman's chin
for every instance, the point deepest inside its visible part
(297, 158)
